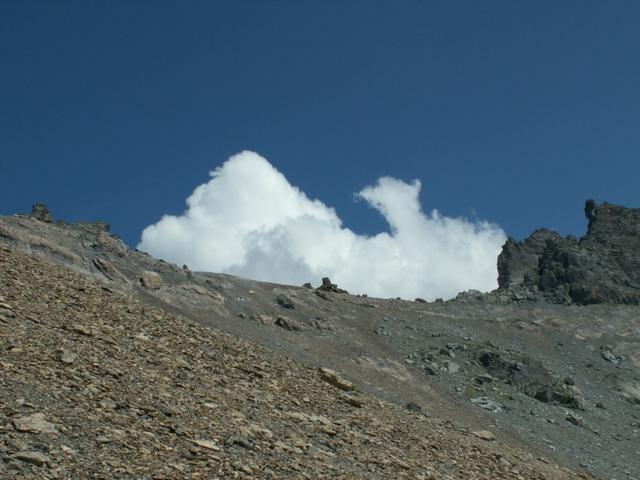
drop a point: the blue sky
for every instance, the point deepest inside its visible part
(512, 111)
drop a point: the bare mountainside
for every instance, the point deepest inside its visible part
(549, 381)
(96, 384)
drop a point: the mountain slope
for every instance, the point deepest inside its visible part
(95, 384)
(556, 380)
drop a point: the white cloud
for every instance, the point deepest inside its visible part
(249, 221)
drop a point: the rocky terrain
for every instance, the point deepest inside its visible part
(530, 381)
(601, 267)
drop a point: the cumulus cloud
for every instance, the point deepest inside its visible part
(248, 220)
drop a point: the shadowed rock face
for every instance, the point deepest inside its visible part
(601, 267)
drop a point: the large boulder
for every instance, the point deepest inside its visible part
(150, 280)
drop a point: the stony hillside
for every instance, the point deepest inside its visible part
(95, 384)
(541, 372)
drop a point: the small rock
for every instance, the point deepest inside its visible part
(451, 367)
(34, 458)
(631, 392)
(287, 324)
(285, 302)
(329, 430)
(68, 450)
(322, 295)
(487, 404)
(68, 358)
(353, 401)
(608, 355)
(485, 435)
(23, 403)
(208, 444)
(262, 318)
(413, 407)
(167, 410)
(243, 442)
(330, 376)
(574, 420)
(108, 403)
(35, 423)
(483, 378)
(430, 369)
(83, 330)
(6, 306)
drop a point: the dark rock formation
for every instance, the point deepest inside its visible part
(601, 267)
(41, 212)
(327, 286)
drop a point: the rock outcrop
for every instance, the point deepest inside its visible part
(601, 267)
(328, 286)
(41, 212)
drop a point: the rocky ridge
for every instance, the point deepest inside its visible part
(601, 267)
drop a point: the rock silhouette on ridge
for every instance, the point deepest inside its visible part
(601, 267)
